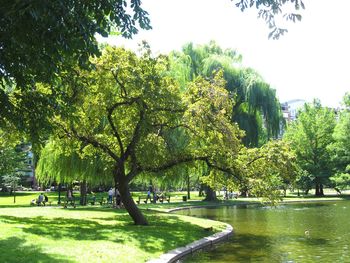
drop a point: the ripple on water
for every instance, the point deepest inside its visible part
(301, 208)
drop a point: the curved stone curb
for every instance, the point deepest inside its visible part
(176, 254)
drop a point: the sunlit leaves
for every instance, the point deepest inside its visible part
(310, 136)
(263, 172)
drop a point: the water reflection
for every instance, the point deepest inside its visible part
(305, 232)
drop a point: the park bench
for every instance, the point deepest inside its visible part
(143, 198)
(161, 198)
(42, 203)
(67, 202)
(94, 200)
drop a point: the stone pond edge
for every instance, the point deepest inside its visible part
(178, 253)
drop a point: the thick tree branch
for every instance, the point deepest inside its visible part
(162, 125)
(115, 132)
(90, 141)
(172, 163)
(223, 169)
(134, 168)
(126, 102)
(255, 159)
(111, 123)
(122, 87)
(137, 132)
(168, 110)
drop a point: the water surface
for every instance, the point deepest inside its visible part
(303, 232)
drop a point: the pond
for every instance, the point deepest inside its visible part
(302, 232)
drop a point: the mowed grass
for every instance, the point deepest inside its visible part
(93, 234)
(100, 233)
(24, 198)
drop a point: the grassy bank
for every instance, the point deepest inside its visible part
(93, 234)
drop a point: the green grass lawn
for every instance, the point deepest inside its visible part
(92, 234)
(100, 233)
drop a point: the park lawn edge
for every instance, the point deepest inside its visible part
(51, 234)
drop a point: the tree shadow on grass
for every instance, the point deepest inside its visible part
(59, 228)
(14, 250)
(15, 206)
(166, 233)
(163, 234)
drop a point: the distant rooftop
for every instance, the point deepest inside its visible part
(294, 101)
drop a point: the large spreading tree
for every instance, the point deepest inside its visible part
(129, 111)
(310, 136)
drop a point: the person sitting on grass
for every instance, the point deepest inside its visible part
(40, 199)
(46, 199)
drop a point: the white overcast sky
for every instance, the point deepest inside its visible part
(310, 61)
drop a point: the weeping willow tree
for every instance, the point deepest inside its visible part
(177, 140)
(256, 109)
(60, 163)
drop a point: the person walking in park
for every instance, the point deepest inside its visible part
(70, 196)
(110, 195)
(148, 196)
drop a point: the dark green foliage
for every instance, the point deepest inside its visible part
(12, 167)
(41, 41)
(39, 38)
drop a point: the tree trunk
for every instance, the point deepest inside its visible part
(244, 191)
(59, 193)
(83, 192)
(201, 190)
(321, 190)
(318, 190)
(129, 204)
(210, 195)
(188, 186)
